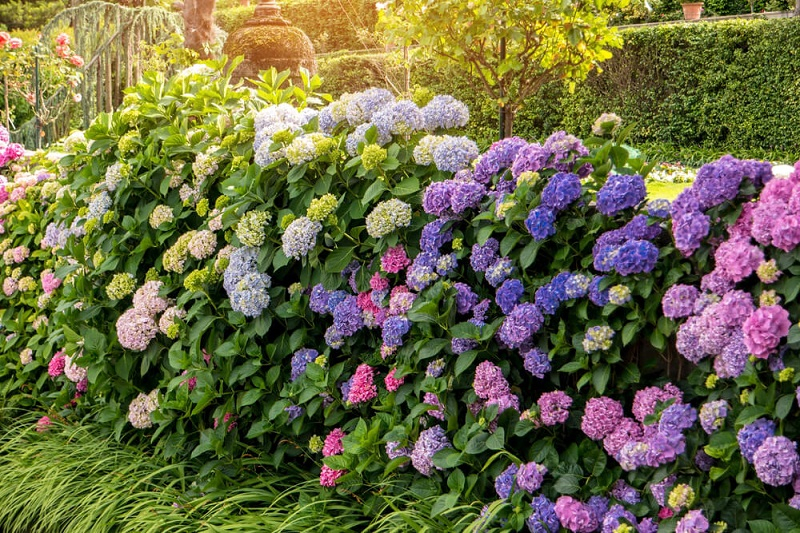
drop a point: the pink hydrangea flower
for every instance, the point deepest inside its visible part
(362, 388)
(333, 443)
(737, 258)
(392, 383)
(601, 416)
(43, 424)
(378, 283)
(764, 329)
(394, 260)
(554, 407)
(328, 476)
(56, 366)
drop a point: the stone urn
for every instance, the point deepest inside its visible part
(268, 40)
(692, 10)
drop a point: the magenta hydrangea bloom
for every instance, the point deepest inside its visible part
(395, 259)
(362, 387)
(738, 258)
(328, 476)
(554, 407)
(764, 329)
(627, 430)
(392, 383)
(601, 416)
(645, 400)
(575, 516)
(57, 364)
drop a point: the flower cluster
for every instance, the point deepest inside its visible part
(247, 288)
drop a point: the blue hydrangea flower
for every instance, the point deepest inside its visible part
(541, 223)
(300, 360)
(394, 328)
(499, 271)
(596, 295)
(753, 435)
(508, 295)
(658, 208)
(347, 316)
(401, 118)
(362, 106)
(577, 285)
(433, 238)
(504, 483)
(635, 256)
(300, 237)
(251, 294)
(544, 518)
(465, 298)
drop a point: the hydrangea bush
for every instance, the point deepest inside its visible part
(354, 286)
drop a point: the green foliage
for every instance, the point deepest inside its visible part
(344, 25)
(28, 14)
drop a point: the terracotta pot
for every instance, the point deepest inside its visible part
(692, 10)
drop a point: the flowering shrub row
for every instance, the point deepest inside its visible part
(354, 286)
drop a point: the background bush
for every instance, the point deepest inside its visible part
(728, 86)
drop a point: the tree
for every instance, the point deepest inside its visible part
(513, 46)
(198, 23)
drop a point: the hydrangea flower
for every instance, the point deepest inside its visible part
(678, 301)
(483, 256)
(598, 338)
(401, 118)
(554, 407)
(561, 190)
(135, 329)
(620, 192)
(541, 223)
(300, 237)
(601, 416)
(764, 329)
(753, 435)
(520, 325)
(141, 408)
(429, 442)
(387, 217)
(537, 363)
(692, 522)
(454, 153)
(712, 415)
(776, 461)
(445, 112)
(544, 518)
(362, 386)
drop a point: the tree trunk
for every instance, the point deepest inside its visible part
(797, 8)
(506, 121)
(198, 23)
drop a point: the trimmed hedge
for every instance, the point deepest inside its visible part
(727, 85)
(343, 25)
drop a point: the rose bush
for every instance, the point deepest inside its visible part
(353, 286)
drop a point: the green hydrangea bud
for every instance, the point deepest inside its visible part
(222, 202)
(321, 207)
(332, 220)
(787, 374)
(121, 285)
(372, 156)
(98, 258)
(108, 216)
(173, 330)
(295, 288)
(31, 228)
(250, 229)
(202, 207)
(127, 143)
(195, 280)
(315, 444)
(228, 141)
(152, 275)
(89, 225)
(286, 220)
(283, 137)
(458, 244)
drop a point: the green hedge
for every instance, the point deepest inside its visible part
(27, 14)
(340, 25)
(724, 86)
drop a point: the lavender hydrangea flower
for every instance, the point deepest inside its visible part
(692, 522)
(300, 237)
(776, 461)
(658, 208)
(436, 199)
(577, 286)
(466, 299)
(537, 363)
(347, 316)
(499, 156)
(678, 301)
(530, 476)
(454, 153)
(520, 325)
(676, 418)
(394, 328)
(554, 407)
(483, 256)
(433, 238)
(712, 415)
(623, 492)
(620, 192)
(362, 106)
(445, 112)
(489, 381)
(401, 118)
(429, 442)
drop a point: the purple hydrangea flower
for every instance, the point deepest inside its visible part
(554, 407)
(678, 301)
(544, 518)
(504, 483)
(347, 316)
(692, 522)
(635, 256)
(489, 381)
(499, 156)
(530, 476)
(658, 208)
(677, 417)
(623, 492)
(300, 360)
(466, 195)
(561, 190)
(596, 295)
(537, 363)
(433, 238)
(436, 199)
(520, 325)
(483, 256)
(394, 328)
(712, 415)
(601, 416)
(465, 298)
